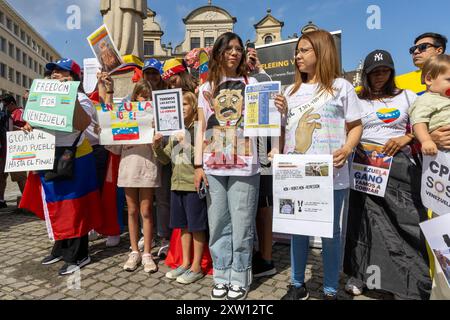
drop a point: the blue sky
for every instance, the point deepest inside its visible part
(401, 21)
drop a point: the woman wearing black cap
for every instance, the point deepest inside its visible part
(384, 231)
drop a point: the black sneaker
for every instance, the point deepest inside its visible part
(236, 293)
(295, 293)
(329, 296)
(3, 205)
(219, 292)
(263, 268)
(50, 260)
(69, 268)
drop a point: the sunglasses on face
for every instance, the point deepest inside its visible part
(421, 47)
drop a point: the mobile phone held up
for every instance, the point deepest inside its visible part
(202, 191)
(252, 62)
(446, 239)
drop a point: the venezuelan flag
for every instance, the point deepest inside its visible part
(203, 69)
(411, 81)
(125, 131)
(71, 208)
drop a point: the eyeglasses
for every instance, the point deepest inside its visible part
(229, 49)
(303, 51)
(421, 47)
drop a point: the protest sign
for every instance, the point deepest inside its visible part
(104, 49)
(369, 171)
(168, 107)
(91, 67)
(435, 189)
(303, 195)
(29, 151)
(51, 104)
(261, 117)
(125, 123)
(437, 233)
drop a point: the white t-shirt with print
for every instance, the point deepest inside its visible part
(224, 161)
(322, 121)
(387, 118)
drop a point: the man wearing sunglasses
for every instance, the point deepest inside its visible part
(426, 46)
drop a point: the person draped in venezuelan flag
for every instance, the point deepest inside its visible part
(70, 207)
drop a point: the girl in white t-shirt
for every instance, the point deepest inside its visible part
(378, 226)
(226, 164)
(323, 117)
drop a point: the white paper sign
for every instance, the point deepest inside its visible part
(437, 233)
(125, 123)
(435, 189)
(31, 151)
(261, 117)
(91, 67)
(168, 107)
(303, 195)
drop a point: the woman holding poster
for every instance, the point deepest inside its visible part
(70, 207)
(227, 168)
(323, 117)
(384, 231)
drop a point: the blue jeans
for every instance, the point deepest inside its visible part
(232, 203)
(331, 251)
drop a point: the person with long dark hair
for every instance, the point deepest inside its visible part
(227, 166)
(384, 231)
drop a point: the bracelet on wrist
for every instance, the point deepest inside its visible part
(198, 166)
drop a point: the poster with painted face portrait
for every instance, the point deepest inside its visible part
(227, 151)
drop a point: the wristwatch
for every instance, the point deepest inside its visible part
(198, 166)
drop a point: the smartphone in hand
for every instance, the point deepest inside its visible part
(203, 190)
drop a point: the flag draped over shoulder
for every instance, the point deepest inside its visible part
(71, 208)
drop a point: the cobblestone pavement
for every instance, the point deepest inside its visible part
(24, 242)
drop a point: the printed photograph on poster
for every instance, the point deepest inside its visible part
(51, 104)
(125, 123)
(286, 206)
(303, 195)
(437, 233)
(168, 111)
(29, 151)
(369, 169)
(316, 169)
(104, 49)
(435, 191)
(261, 117)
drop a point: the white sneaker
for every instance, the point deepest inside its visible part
(354, 287)
(134, 259)
(148, 263)
(93, 235)
(112, 241)
(163, 249)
